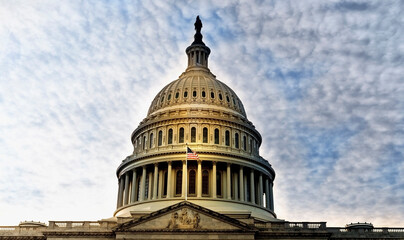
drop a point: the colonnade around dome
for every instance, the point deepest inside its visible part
(204, 180)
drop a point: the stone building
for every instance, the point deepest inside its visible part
(195, 173)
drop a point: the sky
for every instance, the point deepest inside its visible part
(322, 81)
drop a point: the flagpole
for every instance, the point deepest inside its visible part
(186, 172)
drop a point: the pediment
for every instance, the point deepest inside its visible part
(184, 216)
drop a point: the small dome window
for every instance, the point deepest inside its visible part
(212, 94)
(185, 94)
(227, 98)
(162, 98)
(203, 94)
(177, 94)
(169, 97)
(220, 97)
(234, 102)
(194, 94)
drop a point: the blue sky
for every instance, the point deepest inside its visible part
(321, 80)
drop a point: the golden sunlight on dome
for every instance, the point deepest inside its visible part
(225, 172)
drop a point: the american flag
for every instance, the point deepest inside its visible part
(191, 154)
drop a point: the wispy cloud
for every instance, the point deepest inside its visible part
(326, 80)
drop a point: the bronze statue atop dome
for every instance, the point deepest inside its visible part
(198, 36)
(198, 24)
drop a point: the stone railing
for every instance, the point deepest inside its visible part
(292, 226)
(365, 230)
(62, 225)
(306, 225)
(8, 228)
(21, 230)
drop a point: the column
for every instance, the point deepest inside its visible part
(199, 181)
(245, 188)
(252, 193)
(241, 177)
(260, 190)
(271, 195)
(126, 196)
(235, 182)
(224, 189)
(228, 182)
(134, 187)
(267, 195)
(169, 184)
(149, 192)
(142, 185)
(161, 176)
(214, 190)
(184, 178)
(120, 192)
(155, 179)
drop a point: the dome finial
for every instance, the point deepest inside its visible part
(198, 52)
(198, 36)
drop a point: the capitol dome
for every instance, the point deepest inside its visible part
(223, 170)
(197, 88)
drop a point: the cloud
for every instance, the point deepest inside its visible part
(322, 82)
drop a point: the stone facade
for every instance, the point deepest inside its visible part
(222, 189)
(186, 220)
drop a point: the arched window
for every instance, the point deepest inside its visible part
(151, 140)
(205, 182)
(169, 97)
(216, 136)
(212, 95)
(177, 94)
(178, 183)
(170, 136)
(160, 140)
(227, 138)
(203, 94)
(193, 134)
(236, 140)
(194, 94)
(144, 142)
(219, 183)
(244, 143)
(220, 97)
(165, 183)
(192, 182)
(227, 98)
(181, 138)
(205, 135)
(185, 94)
(251, 145)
